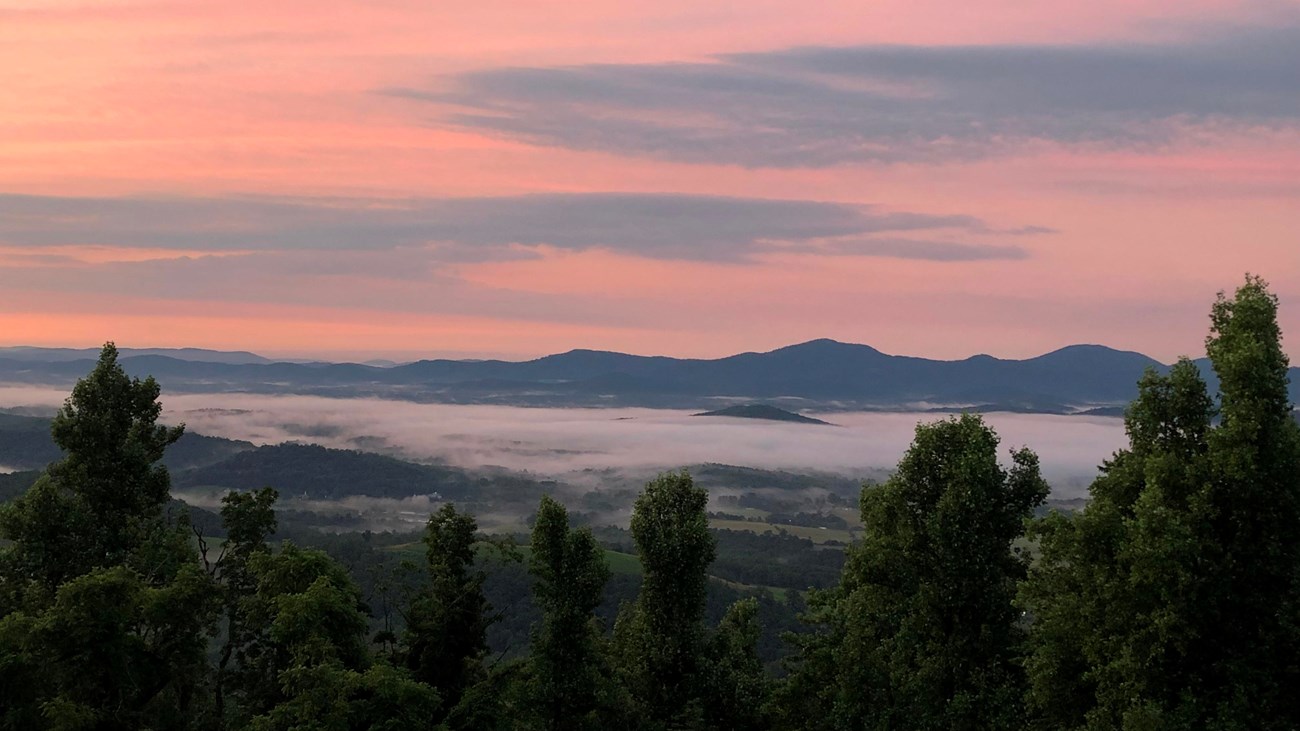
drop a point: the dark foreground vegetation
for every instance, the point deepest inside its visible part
(1172, 601)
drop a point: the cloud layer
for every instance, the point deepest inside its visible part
(818, 106)
(658, 226)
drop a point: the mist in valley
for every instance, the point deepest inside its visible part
(570, 443)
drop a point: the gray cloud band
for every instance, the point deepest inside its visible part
(663, 226)
(822, 106)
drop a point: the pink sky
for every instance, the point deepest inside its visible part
(407, 179)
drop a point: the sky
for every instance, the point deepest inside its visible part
(402, 179)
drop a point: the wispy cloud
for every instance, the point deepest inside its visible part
(659, 226)
(819, 106)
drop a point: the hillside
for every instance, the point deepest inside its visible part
(310, 471)
(25, 444)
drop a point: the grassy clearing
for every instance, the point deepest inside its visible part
(816, 535)
(850, 515)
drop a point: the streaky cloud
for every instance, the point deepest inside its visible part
(820, 106)
(660, 226)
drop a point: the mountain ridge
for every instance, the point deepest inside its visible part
(820, 374)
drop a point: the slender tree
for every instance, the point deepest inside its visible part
(447, 620)
(249, 520)
(660, 638)
(736, 687)
(569, 675)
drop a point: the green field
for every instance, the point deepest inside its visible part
(816, 535)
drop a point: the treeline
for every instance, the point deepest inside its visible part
(1172, 601)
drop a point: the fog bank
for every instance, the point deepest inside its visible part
(553, 441)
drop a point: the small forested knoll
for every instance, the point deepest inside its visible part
(1171, 601)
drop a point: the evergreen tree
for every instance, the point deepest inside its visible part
(103, 501)
(106, 606)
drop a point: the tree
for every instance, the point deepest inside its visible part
(1170, 601)
(312, 660)
(568, 672)
(1106, 577)
(736, 687)
(1250, 619)
(446, 623)
(106, 606)
(248, 519)
(922, 632)
(101, 503)
(117, 653)
(660, 638)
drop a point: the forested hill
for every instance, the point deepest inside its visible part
(298, 470)
(25, 444)
(819, 373)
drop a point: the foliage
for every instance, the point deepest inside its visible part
(105, 603)
(735, 686)
(568, 673)
(922, 632)
(659, 639)
(248, 519)
(447, 620)
(1171, 600)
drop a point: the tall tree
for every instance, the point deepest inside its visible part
(922, 631)
(106, 604)
(1170, 601)
(103, 501)
(248, 519)
(1251, 615)
(660, 638)
(1101, 594)
(447, 620)
(736, 687)
(569, 676)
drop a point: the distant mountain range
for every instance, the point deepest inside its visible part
(816, 375)
(65, 355)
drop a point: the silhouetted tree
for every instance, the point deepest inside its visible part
(569, 676)
(659, 639)
(922, 632)
(447, 620)
(1171, 600)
